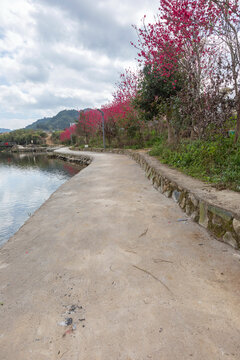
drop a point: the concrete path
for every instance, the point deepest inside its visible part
(107, 255)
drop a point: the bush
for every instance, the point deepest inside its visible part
(216, 161)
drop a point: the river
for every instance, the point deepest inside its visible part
(26, 182)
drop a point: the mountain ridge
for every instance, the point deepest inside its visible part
(61, 121)
(3, 130)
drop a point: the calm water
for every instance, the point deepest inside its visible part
(26, 181)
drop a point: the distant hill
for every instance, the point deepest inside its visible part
(60, 121)
(4, 130)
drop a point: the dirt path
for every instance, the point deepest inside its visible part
(108, 255)
(49, 141)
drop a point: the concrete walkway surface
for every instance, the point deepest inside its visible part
(107, 269)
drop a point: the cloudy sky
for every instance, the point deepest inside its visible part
(63, 54)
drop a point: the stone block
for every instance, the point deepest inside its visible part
(188, 209)
(203, 214)
(236, 226)
(164, 186)
(150, 174)
(183, 202)
(195, 216)
(229, 239)
(176, 195)
(155, 185)
(168, 193)
(224, 214)
(157, 182)
(216, 220)
(148, 171)
(193, 200)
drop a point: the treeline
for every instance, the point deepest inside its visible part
(24, 137)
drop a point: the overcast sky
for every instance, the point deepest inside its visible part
(63, 54)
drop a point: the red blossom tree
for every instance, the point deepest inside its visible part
(66, 135)
(180, 44)
(174, 38)
(88, 123)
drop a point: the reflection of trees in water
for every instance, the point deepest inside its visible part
(70, 169)
(38, 161)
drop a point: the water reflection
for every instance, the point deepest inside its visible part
(26, 181)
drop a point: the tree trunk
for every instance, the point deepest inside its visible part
(238, 120)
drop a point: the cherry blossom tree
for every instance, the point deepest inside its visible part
(180, 46)
(66, 135)
(88, 123)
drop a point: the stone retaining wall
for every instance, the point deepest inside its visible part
(220, 222)
(77, 159)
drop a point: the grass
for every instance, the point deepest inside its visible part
(216, 161)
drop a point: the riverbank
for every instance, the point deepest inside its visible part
(111, 258)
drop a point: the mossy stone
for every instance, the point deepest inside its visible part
(203, 214)
(224, 214)
(236, 226)
(229, 239)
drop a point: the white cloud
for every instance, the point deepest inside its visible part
(57, 54)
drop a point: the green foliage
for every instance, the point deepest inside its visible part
(24, 137)
(56, 137)
(216, 161)
(155, 92)
(61, 121)
(131, 136)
